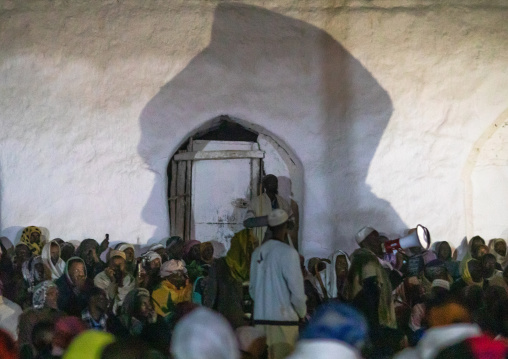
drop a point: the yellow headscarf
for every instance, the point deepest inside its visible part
(88, 345)
(466, 275)
(35, 247)
(243, 244)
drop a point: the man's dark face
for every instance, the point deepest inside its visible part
(489, 265)
(271, 184)
(22, 254)
(373, 243)
(54, 252)
(195, 252)
(500, 248)
(118, 264)
(77, 273)
(100, 301)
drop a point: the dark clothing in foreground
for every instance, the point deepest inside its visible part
(224, 293)
(69, 300)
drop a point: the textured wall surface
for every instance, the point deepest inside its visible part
(389, 107)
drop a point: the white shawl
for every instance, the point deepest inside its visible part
(57, 269)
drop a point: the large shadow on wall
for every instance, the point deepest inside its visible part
(292, 79)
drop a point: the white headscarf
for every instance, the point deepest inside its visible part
(332, 275)
(56, 269)
(324, 349)
(172, 266)
(151, 256)
(502, 260)
(204, 334)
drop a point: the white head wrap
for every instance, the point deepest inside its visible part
(151, 256)
(363, 233)
(332, 275)
(56, 269)
(156, 246)
(123, 246)
(219, 249)
(172, 266)
(204, 334)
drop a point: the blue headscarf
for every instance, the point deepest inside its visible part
(337, 321)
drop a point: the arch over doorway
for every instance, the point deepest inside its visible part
(217, 170)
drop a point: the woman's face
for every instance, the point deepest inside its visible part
(145, 307)
(481, 251)
(500, 248)
(155, 264)
(54, 253)
(475, 243)
(341, 266)
(34, 237)
(178, 279)
(444, 252)
(129, 254)
(206, 252)
(52, 297)
(39, 271)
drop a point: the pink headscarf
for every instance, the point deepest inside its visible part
(187, 247)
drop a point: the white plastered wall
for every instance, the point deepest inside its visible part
(381, 102)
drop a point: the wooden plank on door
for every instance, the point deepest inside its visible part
(180, 200)
(172, 199)
(188, 200)
(255, 172)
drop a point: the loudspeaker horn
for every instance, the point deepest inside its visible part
(418, 238)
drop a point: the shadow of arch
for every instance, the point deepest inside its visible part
(297, 83)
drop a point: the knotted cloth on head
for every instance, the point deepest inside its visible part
(172, 266)
(35, 247)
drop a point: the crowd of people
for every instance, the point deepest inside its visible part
(186, 299)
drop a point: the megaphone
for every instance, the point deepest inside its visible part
(418, 238)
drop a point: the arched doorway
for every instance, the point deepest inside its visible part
(217, 171)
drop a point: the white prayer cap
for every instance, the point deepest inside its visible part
(441, 283)
(277, 217)
(363, 233)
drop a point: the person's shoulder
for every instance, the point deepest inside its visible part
(283, 248)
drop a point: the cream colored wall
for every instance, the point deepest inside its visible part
(381, 101)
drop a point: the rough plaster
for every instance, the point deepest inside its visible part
(381, 102)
